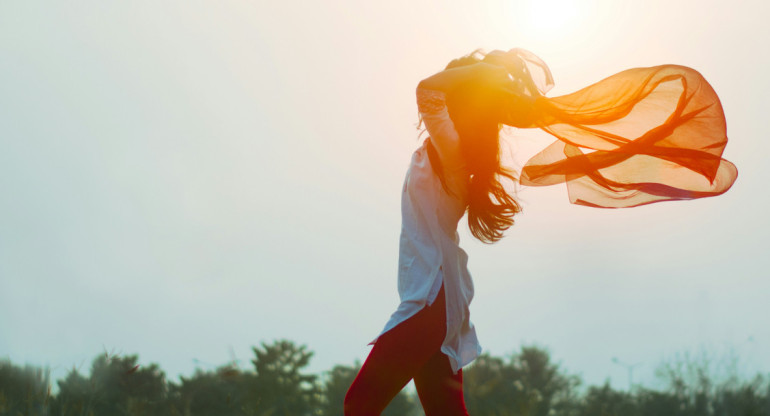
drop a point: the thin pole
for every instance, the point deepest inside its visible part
(630, 368)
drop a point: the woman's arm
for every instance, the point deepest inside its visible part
(483, 74)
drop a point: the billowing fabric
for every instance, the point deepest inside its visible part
(640, 136)
(429, 250)
(643, 135)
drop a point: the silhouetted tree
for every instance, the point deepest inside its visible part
(76, 396)
(748, 399)
(117, 386)
(658, 403)
(280, 388)
(23, 390)
(337, 382)
(487, 389)
(222, 392)
(604, 401)
(545, 387)
(529, 385)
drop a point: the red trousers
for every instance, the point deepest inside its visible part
(411, 350)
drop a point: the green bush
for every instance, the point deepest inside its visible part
(527, 383)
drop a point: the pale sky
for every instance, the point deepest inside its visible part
(184, 180)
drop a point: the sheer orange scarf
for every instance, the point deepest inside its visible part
(643, 135)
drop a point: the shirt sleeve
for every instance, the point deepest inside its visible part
(434, 113)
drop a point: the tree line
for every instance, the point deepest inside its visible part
(528, 383)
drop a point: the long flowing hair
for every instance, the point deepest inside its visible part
(476, 114)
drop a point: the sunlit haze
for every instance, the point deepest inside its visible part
(184, 180)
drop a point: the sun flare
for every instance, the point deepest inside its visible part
(552, 19)
(550, 15)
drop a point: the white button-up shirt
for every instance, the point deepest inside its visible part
(429, 252)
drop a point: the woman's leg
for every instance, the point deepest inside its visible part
(439, 389)
(397, 356)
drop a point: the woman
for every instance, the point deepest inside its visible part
(640, 136)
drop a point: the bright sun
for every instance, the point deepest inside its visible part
(551, 18)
